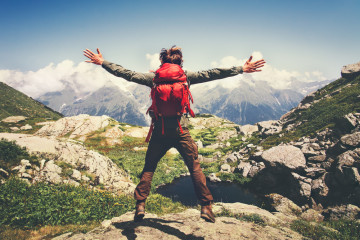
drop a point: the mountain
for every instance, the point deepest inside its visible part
(245, 104)
(108, 100)
(14, 103)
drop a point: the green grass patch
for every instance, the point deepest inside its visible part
(255, 218)
(341, 229)
(206, 151)
(11, 154)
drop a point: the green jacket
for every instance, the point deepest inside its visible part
(192, 78)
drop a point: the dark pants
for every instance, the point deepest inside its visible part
(158, 146)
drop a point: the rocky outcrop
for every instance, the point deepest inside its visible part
(76, 127)
(284, 156)
(188, 225)
(105, 172)
(13, 119)
(351, 71)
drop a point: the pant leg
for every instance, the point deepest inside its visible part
(188, 150)
(156, 150)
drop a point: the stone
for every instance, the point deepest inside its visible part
(347, 158)
(232, 158)
(13, 119)
(287, 156)
(253, 171)
(26, 127)
(352, 140)
(319, 188)
(85, 178)
(312, 215)
(213, 178)
(283, 204)
(317, 158)
(350, 71)
(248, 129)
(304, 184)
(314, 172)
(199, 144)
(348, 212)
(76, 175)
(225, 168)
(14, 129)
(244, 168)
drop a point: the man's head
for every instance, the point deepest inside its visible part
(171, 55)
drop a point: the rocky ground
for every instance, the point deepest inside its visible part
(188, 225)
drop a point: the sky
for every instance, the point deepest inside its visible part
(42, 41)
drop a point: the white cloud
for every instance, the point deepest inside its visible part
(83, 77)
(277, 78)
(154, 60)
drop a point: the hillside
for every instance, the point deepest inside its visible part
(15, 103)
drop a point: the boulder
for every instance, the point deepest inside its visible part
(26, 127)
(76, 175)
(213, 178)
(225, 168)
(244, 168)
(312, 215)
(319, 188)
(248, 129)
(349, 212)
(351, 140)
(199, 144)
(286, 156)
(13, 119)
(303, 188)
(350, 71)
(283, 204)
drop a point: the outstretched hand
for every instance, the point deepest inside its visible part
(94, 58)
(250, 67)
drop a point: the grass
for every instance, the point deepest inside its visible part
(254, 218)
(26, 209)
(341, 229)
(11, 155)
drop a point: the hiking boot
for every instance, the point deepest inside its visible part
(207, 214)
(139, 211)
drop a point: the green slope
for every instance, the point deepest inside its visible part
(330, 104)
(14, 103)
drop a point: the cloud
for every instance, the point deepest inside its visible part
(154, 60)
(83, 78)
(277, 78)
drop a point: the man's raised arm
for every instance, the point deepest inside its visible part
(118, 70)
(219, 73)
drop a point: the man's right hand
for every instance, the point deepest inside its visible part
(94, 58)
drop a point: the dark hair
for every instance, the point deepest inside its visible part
(171, 55)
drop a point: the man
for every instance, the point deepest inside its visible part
(171, 131)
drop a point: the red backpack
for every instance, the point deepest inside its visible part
(170, 94)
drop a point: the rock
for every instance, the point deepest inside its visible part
(199, 144)
(71, 182)
(226, 134)
(232, 158)
(314, 172)
(304, 186)
(248, 129)
(245, 209)
(26, 127)
(213, 178)
(184, 225)
(77, 126)
(283, 204)
(51, 172)
(317, 158)
(13, 119)
(319, 188)
(225, 168)
(349, 212)
(137, 132)
(312, 215)
(271, 127)
(42, 163)
(352, 140)
(140, 148)
(14, 129)
(244, 168)
(287, 156)
(85, 178)
(76, 175)
(348, 158)
(173, 151)
(350, 71)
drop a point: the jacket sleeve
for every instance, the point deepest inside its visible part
(119, 71)
(213, 74)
